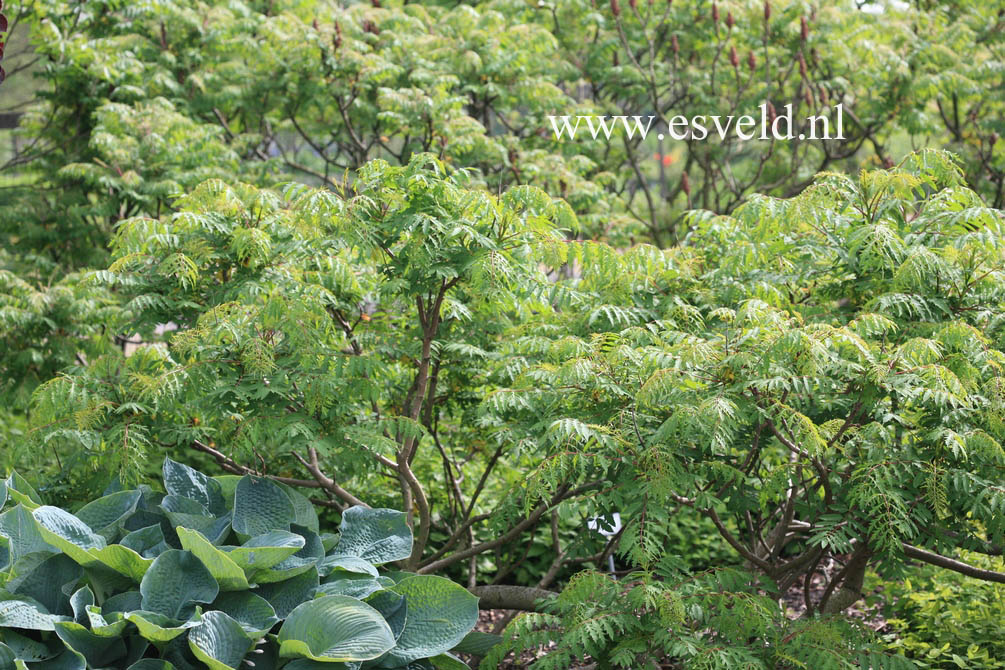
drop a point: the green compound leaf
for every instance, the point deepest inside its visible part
(375, 535)
(440, 614)
(227, 573)
(175, 582)
(260, 506)
(220, 642)
(335, 628)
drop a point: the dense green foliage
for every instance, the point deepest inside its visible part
(945, 620)
(337, 249)
(215, 572)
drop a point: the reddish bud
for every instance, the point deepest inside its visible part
(824, 97)
(802, 65)
(993, 140)
(314, 23)
(751, 61)
(634, 4)
(715, 13)
(808, 97)
(730, 21)
(615, 8)
(375, 3)
(733, 58)
(685, 184)
(675, 45)
(804, 29)
(767, 10)
(772, 114)
(614, 59)
(337, 37)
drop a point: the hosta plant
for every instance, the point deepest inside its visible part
(225, 572)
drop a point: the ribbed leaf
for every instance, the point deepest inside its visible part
(220, 642)
(375, 535)
(335, 628)
(175, 582)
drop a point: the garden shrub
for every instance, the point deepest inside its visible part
(220, 573)
(945, 620)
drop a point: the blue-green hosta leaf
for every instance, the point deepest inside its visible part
(30, 650)
(184, 505)
(228, 484)
(304, 559)
(260, 506)
(329, 540)
(252, 611)
(308, 664)
(335, 628)
(375, 535)
(181, 480)
(286, 595)
(25, 612)
(79, 601)
(97, 650)
(20, 491)
(227, 573)
(448, 661)
(357, 588)
(102, 627)
(70, 659)
(3, 494)
(266, 550)
(220, 642)
(393, 607)
(19, 527)
(127, 601)
(151, 664)
(351, 564)
(148, 541)
(215, 529)
(67, 533)
(477, 643)
(304, 513)
(175, 582)
(158, 628)
(49, 582)
(123, 560)
(440, 614)
(4, 553)
(105, 515)
(8, 660)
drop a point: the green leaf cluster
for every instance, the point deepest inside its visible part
(217, 573)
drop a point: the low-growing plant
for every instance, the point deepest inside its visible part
(945, 620)
(221, 572)
(670, 618)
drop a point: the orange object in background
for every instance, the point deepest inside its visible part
(667, 159)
